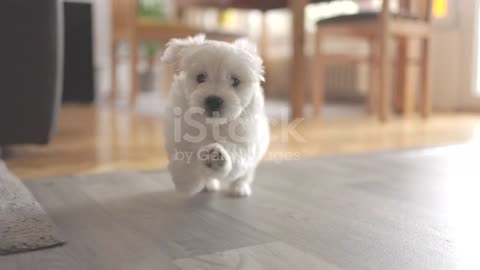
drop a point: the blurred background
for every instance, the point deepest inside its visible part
(363, 75)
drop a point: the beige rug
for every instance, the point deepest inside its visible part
(24, 225)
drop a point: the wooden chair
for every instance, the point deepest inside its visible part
(412, 22)
(127, 26)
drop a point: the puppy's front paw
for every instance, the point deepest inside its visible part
(240, 190)
(216, 159)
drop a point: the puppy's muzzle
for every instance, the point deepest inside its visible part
(213, 105)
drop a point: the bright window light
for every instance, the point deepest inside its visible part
(327, 10)
(440, 8)
(477, 44)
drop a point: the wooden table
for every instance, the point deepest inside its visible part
(297, 7)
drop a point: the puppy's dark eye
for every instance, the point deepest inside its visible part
(201, 78)
(235, 82)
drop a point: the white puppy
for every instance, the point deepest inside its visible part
(215, 125)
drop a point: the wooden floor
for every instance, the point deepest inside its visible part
(396, 211)
(93, 139)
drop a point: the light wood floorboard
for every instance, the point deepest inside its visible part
(267, 256)
(398, 211)
(96, 139)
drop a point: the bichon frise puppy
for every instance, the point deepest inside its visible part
(215, 125)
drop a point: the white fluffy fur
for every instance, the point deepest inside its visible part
(239, 135)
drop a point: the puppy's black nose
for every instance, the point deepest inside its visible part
(213, 103)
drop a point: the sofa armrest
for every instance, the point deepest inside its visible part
(31, 50)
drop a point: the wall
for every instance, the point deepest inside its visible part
(445, 62)
(446, 69)
(468, 55)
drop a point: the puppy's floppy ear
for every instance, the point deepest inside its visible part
(244, 43)
(176, 48)
(251, 48)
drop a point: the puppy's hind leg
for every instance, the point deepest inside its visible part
(242, 186)
(185, 176)
(212, 185)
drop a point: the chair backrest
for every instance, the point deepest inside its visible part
(124, 15)
(421, 9)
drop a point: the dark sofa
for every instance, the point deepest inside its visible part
(31, 50)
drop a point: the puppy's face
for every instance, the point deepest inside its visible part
(220, 78)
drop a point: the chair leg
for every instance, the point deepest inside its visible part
(318, 87)
(425, 93)
(401, 73)
(373, 78)
(297, 69)
(385, 78)
(133, 70)
(113, 71)
(405, 90)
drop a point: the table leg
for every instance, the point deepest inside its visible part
(134, 44)
(298, 79)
